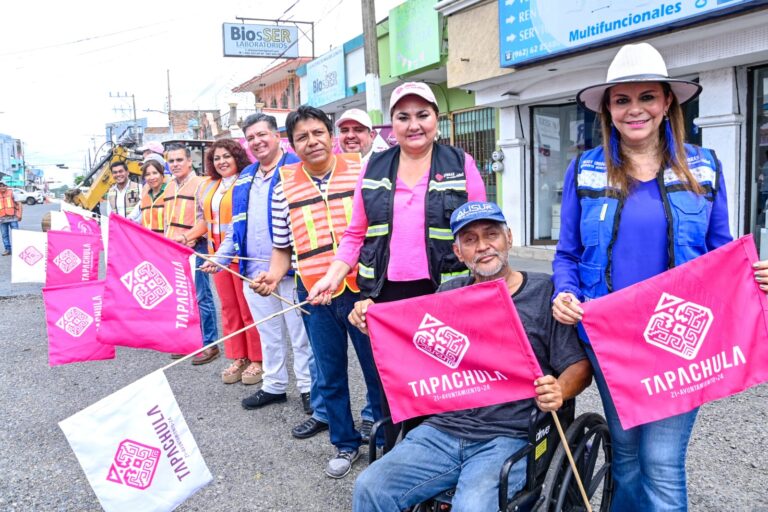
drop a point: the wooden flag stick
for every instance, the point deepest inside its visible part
(247, 280)
(568, 453)
(230, 335)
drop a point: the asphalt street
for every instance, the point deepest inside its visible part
(256, 464)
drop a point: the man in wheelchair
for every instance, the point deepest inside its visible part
(465, 449)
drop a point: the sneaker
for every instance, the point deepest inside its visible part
(341, 464)
(262, 398)
(365, 430)
(308, 428)
(305, 403)
(235, 371)
(6, 253)
(253, 374)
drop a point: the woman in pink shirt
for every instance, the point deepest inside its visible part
(400, 233)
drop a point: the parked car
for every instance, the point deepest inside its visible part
(28, 197)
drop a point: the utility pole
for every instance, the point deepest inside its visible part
(371, 48)
(135, 131)
(168, 81)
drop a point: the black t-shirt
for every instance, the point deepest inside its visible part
(555, 345)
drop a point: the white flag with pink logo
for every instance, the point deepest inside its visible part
(28, 256)
(136, 448)
(59, 221)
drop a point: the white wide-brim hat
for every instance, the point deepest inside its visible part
(636, 63)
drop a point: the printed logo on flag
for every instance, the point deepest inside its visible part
(147, 284)
(30, 255)
(74, 321)
(84, 227)
(441, 341)
(134, 465)
(67, 261)
(678, 326)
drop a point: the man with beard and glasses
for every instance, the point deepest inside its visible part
(466, 449)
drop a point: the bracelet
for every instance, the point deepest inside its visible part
(186, 241)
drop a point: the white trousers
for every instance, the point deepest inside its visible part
(272, 333)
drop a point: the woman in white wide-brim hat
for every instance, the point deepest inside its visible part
(641, 203)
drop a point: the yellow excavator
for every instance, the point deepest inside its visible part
(99, 180)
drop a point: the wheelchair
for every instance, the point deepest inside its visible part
(550, 484)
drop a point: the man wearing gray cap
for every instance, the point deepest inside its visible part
(356, 133)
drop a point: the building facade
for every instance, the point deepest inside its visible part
(527, 61)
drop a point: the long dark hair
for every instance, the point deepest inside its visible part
(670, 141)
(235, 149)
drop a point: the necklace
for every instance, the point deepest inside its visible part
(267, 170)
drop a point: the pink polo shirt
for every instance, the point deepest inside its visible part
(407, 246)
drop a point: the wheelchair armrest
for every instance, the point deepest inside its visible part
(507, 467)
(374, 434)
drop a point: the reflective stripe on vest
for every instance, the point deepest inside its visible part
(318, 221)
(152, 212)
(448, 185)
(374, 184)
(441, 234)
(378, 230)
(452, 275)
(181, 206)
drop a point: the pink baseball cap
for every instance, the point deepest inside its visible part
(153, 146)
(419, 89)
(356, 115)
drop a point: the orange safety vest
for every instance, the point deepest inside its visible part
(225, 214)
(152, 211)
(318, 221)
(8, 205)
(180, 206)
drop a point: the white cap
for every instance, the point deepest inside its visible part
(419, 89)
(356, 115)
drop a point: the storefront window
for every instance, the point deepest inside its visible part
(560, 133)
(757, 195)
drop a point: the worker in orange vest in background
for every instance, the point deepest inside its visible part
(10, 215)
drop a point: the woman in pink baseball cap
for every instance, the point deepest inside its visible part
(399, 236)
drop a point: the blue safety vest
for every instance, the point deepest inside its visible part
(687, 214)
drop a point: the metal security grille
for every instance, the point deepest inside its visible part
(474, 131)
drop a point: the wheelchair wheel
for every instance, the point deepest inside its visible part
(590, 445)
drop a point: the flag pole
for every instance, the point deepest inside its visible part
(568, 453)
(230, 335)
(247, 280)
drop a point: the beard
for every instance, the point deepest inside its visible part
(488, 272)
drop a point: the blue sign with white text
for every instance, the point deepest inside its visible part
(532, 30)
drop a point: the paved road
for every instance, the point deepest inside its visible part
(257, 465)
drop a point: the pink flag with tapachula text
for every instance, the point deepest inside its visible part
(446, 352)
(694, 334)
(72, 257)
(149, 294)
(72, 316)
(80, 224)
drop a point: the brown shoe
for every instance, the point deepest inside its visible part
(177, 356)
(253, 374)
(206, 356)
(235, 371)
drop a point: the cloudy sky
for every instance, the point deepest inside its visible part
(61, 61)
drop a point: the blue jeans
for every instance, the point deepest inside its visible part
(205, 304)
(6, 228)
(328, 328)
(316, 401)
(428, 462)
(648, 460)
